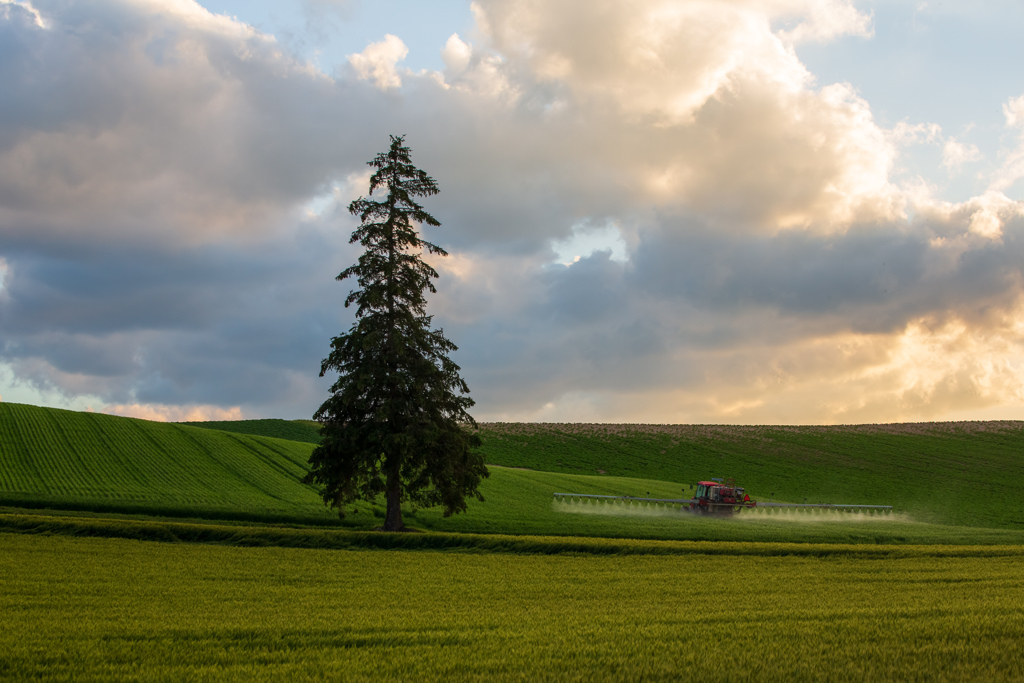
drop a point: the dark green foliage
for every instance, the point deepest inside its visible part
(395, 423)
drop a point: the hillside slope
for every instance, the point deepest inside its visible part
(61, 458)
(966, 473)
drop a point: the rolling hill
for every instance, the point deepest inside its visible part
(965, 474)
(64, 459)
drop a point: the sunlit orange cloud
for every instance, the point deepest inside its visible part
(928, 371)
(165, 413)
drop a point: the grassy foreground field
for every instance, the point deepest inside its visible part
(114, 609)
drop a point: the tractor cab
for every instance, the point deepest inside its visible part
(706, 494)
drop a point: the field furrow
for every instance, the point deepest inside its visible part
(20, 472)
(45, 456)
(120, 457)
(70, 459)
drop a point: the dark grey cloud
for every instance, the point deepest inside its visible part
(209, 325)
(692, 303)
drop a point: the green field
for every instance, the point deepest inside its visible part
(305, 431)
(133, 550)
(961, 473)
(98, 463)
(942, 475)
(88, 461)
(966, 473)
(114, 609)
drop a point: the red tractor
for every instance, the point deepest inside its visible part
(718, 497)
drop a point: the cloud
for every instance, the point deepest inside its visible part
(872, 325)
(198, 325)
(1013, 167)
(378, 61)
(21, 11)
(822, 20)
(173, 188)
(456, 54)
(697, 105)
(133, 114)
(658, 58)
(1014, 112)
(955, 154)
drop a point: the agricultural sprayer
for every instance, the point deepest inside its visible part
(719, 497)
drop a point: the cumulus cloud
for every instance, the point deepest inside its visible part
(664, 59)
(955, 154)
(701, 103)
(173, 188)
(456, 54)
(1013, 110)
(378, 62)
(821, 20)
(134, 114)
(1013, 167)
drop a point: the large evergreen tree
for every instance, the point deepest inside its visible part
(395, 423)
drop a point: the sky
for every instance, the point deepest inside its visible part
(657, 211)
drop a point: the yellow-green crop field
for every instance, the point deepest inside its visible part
(117, 609)
(132, 550)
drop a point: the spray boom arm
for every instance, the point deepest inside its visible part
(705, 503)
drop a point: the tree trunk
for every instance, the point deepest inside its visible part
(393, 516)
